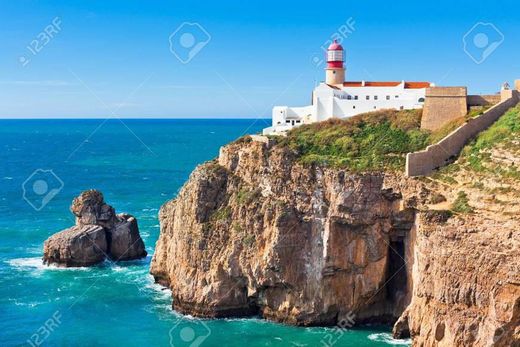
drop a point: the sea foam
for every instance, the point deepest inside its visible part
(36, 263)
(387, 338)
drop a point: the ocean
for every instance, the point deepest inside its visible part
(138, 165)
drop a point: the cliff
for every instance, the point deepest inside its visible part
(261, 231)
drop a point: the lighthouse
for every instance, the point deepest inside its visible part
(335, 72)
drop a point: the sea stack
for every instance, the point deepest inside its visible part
(99, 234)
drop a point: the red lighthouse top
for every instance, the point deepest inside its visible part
(335, 46)
(335, 55)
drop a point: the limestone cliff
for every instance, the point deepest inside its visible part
(257, 232)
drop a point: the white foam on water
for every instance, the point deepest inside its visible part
(388, 339)
(29, 304)
(164, 292)
(36, 263)
(27, 263)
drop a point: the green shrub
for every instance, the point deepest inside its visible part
(372, 141)
(221, 214)
(505, 129)
(245, 196)
(461, 203)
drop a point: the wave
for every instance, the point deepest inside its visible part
(388, 339)
(36, 263)
(28, 304)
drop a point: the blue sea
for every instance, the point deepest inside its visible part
(138, 165)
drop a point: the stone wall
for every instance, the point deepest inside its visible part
(442, 105)
(483, 100)
(437, 155)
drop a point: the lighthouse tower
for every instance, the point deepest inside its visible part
(335, 72)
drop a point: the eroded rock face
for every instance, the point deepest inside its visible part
(99, 233)
(256, 232)
(76, 246)
(466, 284)
(125, 241)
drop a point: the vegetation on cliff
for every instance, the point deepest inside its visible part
(368, 142)
(490, 153)
(487, 170)
(477, 155)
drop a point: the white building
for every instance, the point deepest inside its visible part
(337, 98)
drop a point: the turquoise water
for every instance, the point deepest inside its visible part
(138, 164)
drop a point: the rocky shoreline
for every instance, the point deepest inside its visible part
(99, 234)
(256, 232)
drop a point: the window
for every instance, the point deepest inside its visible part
(349, 97)
(402, 107)
(421, 99)
(388, 97)
(375, 107)
(368, 97)
(353, 106)
(397, 96)
(355, 97)
(288, 121)
(375, 97)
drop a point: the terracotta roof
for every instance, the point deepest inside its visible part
(407, 85)
(416, 85)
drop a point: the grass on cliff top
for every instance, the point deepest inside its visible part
(368, 142)
(504, 132)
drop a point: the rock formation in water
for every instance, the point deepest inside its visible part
(99, 233)
(257, 232)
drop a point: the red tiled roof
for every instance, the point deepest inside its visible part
(407, 85)
(416, 85)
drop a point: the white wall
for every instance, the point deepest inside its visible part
(331, 102)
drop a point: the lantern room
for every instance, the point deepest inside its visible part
(335, 71)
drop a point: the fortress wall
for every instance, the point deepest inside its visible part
(435, 156)
(483, 100)
(442, 105)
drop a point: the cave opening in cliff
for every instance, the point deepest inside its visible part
(396, 286)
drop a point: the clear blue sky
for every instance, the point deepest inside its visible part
(114, 56)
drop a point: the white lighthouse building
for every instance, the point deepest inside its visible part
(337, 98)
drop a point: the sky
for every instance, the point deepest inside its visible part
(237, 59)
